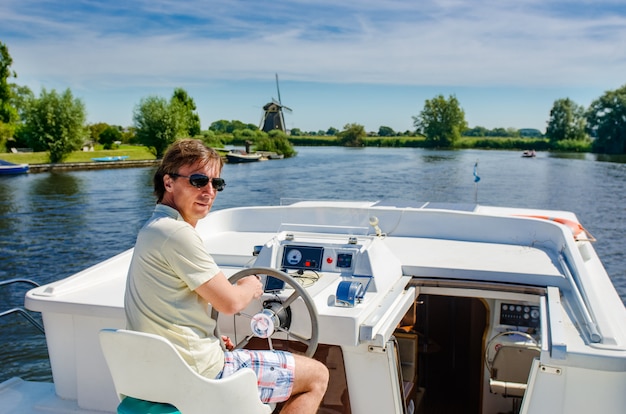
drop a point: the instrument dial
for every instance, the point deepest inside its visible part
(294, 256)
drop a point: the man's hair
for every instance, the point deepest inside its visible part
(180, 153)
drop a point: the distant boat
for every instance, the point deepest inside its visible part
(529, 154)
(109, 159)
(8, 168)
(239, 156)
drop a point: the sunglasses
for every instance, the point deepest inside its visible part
(201, 180)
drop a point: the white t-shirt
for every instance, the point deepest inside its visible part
(169, 262)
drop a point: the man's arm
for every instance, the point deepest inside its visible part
(228, 298)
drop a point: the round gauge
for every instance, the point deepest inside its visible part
(294, 256)
(534, 313)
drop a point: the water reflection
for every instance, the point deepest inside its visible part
(55, 184)
(7, 206)
(571, 155)
(621, 158)
(614, 158)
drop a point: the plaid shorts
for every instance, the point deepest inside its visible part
(275, 371)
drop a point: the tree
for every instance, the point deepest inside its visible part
(530, 133)
(235, 125)
(478, 131)
(109, 136)
(228, 127)
(55, 123)
(567, 121)
(606, 122)
(129, 135)
(20, 98)
(385, 131)
(156, 123)
(8, 114)
(275, 141)
(185, 107)
(220, 126)
(441, 121)
(96, 129)
(352, 135)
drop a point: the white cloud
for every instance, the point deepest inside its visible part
(159, 43)
(436, 43)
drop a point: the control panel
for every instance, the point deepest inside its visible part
(355, 267)
(328, 258)
(303, 257)
(518, 314)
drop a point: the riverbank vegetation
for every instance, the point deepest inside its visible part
(133, 152)
(54, 123)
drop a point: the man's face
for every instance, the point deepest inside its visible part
(191, 202)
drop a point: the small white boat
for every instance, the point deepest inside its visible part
(9, 168)
(413, 308)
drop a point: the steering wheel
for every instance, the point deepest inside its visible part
(276, 313)
(530, 342)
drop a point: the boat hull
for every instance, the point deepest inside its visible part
(240, 158)
(9, 168)
(110, 159)
(438, 284)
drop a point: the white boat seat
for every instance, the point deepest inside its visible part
(510, 369)
(148, 367)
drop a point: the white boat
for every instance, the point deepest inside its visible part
(240, 156)
(414, 309)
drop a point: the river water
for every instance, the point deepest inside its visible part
(54, 224)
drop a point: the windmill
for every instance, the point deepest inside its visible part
(273, 117)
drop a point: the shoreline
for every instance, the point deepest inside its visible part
(38, 168)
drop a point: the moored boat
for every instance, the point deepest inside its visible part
(110, 159)
(529, 154)
(239, 156)
(270, 155)
(9, 168)
(423, 308)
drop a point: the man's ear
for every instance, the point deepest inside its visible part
(168, 182)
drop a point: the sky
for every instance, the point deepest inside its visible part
(372, 63)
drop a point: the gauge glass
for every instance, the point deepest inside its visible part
(294, 256)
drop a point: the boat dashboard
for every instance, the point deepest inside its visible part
(359, 289)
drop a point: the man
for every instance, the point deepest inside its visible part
(173, 280)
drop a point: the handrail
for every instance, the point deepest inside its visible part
(20, 310)
(581, 297)
(19, 280)
(26, 315)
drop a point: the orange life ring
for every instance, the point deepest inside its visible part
(575, 227)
